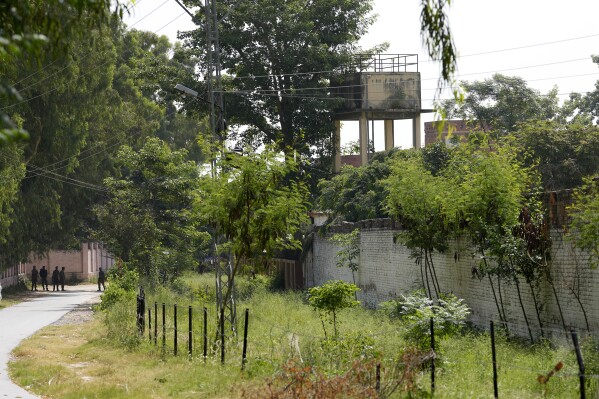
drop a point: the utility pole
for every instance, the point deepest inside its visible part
(223, 265)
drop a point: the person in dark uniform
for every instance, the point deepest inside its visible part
(61, 278)
(44, 278)
(101, 279)
(55, 275)
(34, 279)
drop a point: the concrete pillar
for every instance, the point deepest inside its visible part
(363, 138)
(97, 258)
(389, 133)
(416, 136)
(337, 138)
(84, 261)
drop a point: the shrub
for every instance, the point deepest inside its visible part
(115, 294)
(330, 298)
(123, 283)
(416, 310)
(337, 353)
(590, 350)
(120, 320)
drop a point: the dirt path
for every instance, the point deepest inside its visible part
(20, 321)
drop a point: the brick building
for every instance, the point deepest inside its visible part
(460, 129)
(79, 264)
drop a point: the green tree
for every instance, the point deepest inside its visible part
(330, 298)
(274, 50)
(584, 108)
(148, 219)
(356, 193)
(349, 254)
(501, 102)
(562, 153)
(489, 191)
(585, 219)
(416, 198)
(256, 205)
(12, 171)
(77, 120)
(26, 30)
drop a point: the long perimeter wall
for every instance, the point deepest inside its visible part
(387, 270)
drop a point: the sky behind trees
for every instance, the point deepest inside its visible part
(547, 43)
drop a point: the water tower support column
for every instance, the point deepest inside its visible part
(337, 138)
(389, 144)
(416, 136)
(363, 138)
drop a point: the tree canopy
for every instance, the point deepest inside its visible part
(501, 102)
(563, 154)
(28, 30)
(148, 219)
(280, 56)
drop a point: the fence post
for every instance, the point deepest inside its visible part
(155, 323)
(150, 324)
(141, 311)
(190, 338)
(378, 378)
(580, 361)
(205, 333)
(163, 326)
(222, 335)
(433, 357)
(175, 335)
(494, 354)
(245, 339)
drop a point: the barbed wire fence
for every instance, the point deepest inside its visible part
(173, 329)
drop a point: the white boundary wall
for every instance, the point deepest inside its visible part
(387, 270)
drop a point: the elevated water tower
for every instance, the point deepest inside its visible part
(378, 87)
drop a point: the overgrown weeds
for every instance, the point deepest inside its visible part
(282, 328)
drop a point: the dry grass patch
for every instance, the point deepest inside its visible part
(76, 361)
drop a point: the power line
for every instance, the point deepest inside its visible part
(395, 84)
(71, 62)
(56, 60)
(518, 68)
(522, 47)
(66, 180)
(332, 98)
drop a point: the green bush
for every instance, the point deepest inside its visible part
(330, 298)
(122, 287)
(590, 351)
(120, 321)
(337, 353)
(245, 288)
(416, 311)
(115, 294)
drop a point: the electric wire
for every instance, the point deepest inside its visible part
(395, 84)
(85, 73)
(69, 63)
(56, 60)
(41, 171)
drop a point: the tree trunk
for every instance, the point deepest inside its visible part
(430, 295)
(534, 300)
(497, 303)
(559, 307)
(523, 309)
(434, 274)
(500, 297)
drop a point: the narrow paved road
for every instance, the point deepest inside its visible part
(20, 321)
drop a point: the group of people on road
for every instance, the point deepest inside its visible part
(58, 279)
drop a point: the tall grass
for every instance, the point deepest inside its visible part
(282, 326)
